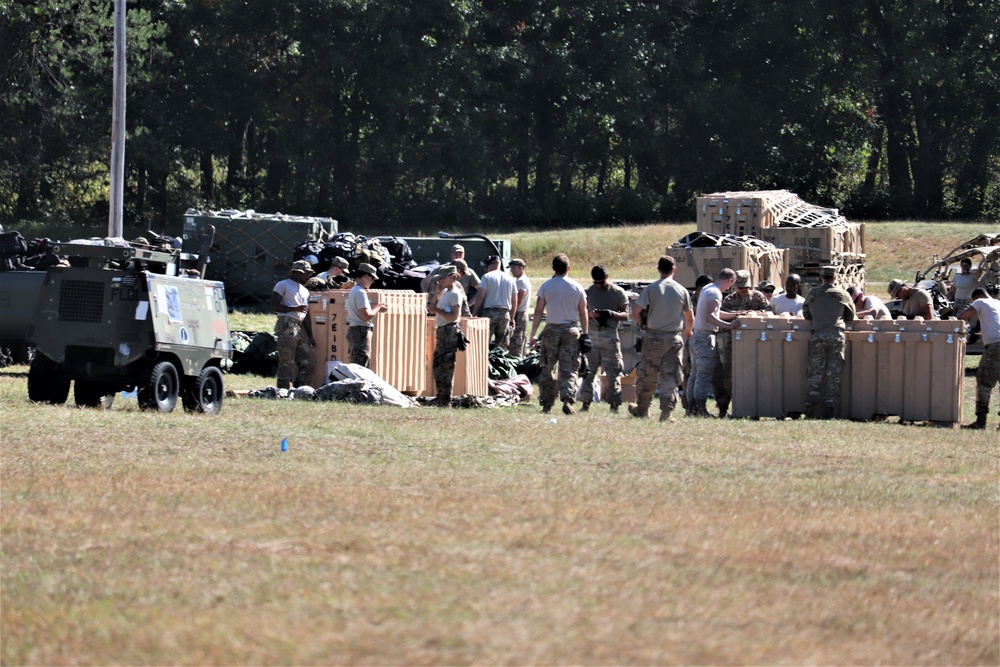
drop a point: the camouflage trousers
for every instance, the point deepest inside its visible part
(359, 345)
(519, 339)
(499, 325)
(444, 361)
(987, 377)
(824, 368)
(702, 365)
(296, 359)
(606, 353)
(559, 345)
(661, 366)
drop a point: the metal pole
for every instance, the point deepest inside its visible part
(115, 228)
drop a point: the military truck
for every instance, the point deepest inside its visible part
(123, 317)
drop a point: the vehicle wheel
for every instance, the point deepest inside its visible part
(89, 394)
(161, 388)
(204, 393)
(46, 384)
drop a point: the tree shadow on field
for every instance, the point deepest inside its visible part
(13, 374)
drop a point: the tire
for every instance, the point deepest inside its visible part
(161, 388)
(46, 384)
(89, 394)
(204, 393)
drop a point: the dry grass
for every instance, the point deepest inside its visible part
(388, 536)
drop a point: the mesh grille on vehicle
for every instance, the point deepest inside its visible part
(81, 301)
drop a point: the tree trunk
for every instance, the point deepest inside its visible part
(237, 158)
(973, 178)
(543, 166)
(207, 168)
(874, 163)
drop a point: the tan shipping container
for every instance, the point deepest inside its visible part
(762, 263)
(909, 369)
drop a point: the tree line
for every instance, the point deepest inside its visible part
(501, 114)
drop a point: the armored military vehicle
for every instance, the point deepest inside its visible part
(127, 316)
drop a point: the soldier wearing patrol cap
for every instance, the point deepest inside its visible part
(744, 299)
(361, 315)
(519, 338)
(828, 307)
(914, 301)
(337, 277)
(446, 307)
(290, 301)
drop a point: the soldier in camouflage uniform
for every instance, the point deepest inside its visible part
(829, 308)
(987, 309)
(607, 307)
(519, 339)
(290, 301)
(666, 307)
(446, 307)
(745, 299)
(563, 302)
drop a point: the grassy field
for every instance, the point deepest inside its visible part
(419, 536)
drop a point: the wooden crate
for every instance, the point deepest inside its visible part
(397, 354)
(762, 263)
(472, 367)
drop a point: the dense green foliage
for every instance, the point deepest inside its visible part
(501, 114)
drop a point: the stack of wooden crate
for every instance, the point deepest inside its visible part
(402, 342)
(812, 236)
(763, 261)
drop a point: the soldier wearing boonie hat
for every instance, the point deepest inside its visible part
(361, 315)
(290, 301)
(828, 307)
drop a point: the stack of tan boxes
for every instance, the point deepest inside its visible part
(763, 263)
(397, 354)
(743, 213)
(907, 368)
(471, 366)
(813, 236)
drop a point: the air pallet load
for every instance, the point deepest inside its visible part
(397, 354)
(849, 272)
(907, 368)
(472, 367)
(252, 251)
(815, 237)
(743, 213)
(762, 260)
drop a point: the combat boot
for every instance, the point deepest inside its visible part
(614, 408)
(979, 424)
(665, 416)
(585, 407)
(568, 408)
(723, 412)
(635, 411)
(702, 411)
